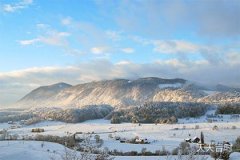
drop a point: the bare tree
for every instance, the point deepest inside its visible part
(70, 155)
(89, 151)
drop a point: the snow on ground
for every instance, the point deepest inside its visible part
(34, 150)
(235, 156)
(4, 126)
(162, 135)
(159, 158)
(37, 150)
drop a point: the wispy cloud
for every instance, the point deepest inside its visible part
(16, 6)
(54, 38)
(114, 35)
(29, 42)
(66, 21)
(161, 18)
(100, 50)
(175, 46)
(128, 50)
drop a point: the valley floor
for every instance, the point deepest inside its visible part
(160, 136)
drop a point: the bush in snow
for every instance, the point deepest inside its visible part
(236, 145)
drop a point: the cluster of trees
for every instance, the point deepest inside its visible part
(88, 149)
(74, 115)
(33, 120)
(15, 116)
(68, 141)
(159, 112)
(225, 155)
(228, 108)
(71, 115)
(38, 130)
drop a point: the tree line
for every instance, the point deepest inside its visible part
(159, 112)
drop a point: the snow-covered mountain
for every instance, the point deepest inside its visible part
(123, 93)
(42, 94)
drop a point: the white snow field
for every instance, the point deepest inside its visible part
(34, 150)
(167, 136)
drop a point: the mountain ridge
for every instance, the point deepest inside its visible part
(122, 93)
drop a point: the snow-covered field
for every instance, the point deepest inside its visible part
(34, 150)
(167, 136)
(161, 135)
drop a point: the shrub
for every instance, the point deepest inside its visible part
(184, 148)
(175, 151)
(236, 145)
(115, 119)
(215, 127)
(225, 155)
(229, 108)
(163, 152)
(197, 127)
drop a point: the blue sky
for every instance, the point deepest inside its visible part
(44, 42)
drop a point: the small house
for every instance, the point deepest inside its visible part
(189, 140)
(196, 140)
(123, 140)
(142, 141)
(117, 138)
(10, 122)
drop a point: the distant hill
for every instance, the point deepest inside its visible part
(125, 93)
(45, 92)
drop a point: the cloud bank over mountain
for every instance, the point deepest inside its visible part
(16, 84)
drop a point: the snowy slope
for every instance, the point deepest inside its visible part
(117, 93)
(121, 93)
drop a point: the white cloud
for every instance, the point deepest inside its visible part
(161, 18)
(140, 40)
(200, 71)
(66, 21)
(114, 35)
(123, 63)
(172, 62)
(184, 50)
(42, 26)
(100, 50)
(233, 58)
(54, 38)
(29, 42)
(128, 50)
(16, 6)
(175, 46)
